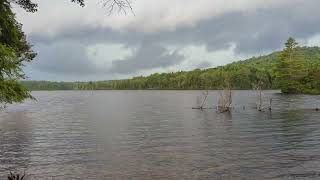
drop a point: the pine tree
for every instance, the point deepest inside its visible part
(291, 68)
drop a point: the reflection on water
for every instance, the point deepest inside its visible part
(15, 138)
(156, 135)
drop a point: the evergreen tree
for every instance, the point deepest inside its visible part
(291, 68)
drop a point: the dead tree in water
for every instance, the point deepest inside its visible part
(260, 104)
(260, 98)
(262, 81)
(204, 98)
(225, 96)
(225, 100)
(206, 93)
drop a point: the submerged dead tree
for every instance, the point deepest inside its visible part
(225, 100)
(202, 101)
(205, 94)
(260, 105)
(225, 96)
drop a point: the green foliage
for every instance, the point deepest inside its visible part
(14, 51)
(254, 73)
(10, 90)
(46, 85)
(294, 72)
(28, 5)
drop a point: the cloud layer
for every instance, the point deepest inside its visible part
(148, 56)
(75, 42)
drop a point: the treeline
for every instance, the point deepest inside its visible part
(265, 72)
(47, 85)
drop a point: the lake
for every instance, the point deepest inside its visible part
(157, 135)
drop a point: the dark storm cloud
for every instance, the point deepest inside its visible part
(148, 56)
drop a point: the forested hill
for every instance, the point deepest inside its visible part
(256, 72)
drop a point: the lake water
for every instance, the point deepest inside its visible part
(157, 135)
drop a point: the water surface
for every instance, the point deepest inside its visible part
(157, 135)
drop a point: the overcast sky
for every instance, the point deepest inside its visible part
(82, 44)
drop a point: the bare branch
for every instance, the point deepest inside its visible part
(225, 100)
(117, 5)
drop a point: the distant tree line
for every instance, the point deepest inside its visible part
(293, 70)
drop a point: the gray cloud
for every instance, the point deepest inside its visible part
(69, 58)
(203, 64)
(64, 58)
(253, 32)
(148, 56)
(261, 30)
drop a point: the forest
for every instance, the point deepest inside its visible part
(293, 70)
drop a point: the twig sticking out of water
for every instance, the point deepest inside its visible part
(270, 105)
(258, 88)
(206, 93)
